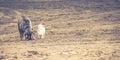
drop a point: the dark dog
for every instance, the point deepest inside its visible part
(25, 28)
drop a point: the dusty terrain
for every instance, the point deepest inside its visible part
(75, 30)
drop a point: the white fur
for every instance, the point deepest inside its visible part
(41, 31)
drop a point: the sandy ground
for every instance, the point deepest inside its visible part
(32, 50)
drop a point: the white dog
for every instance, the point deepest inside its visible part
(41, 31)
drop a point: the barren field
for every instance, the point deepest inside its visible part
(75, 30)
